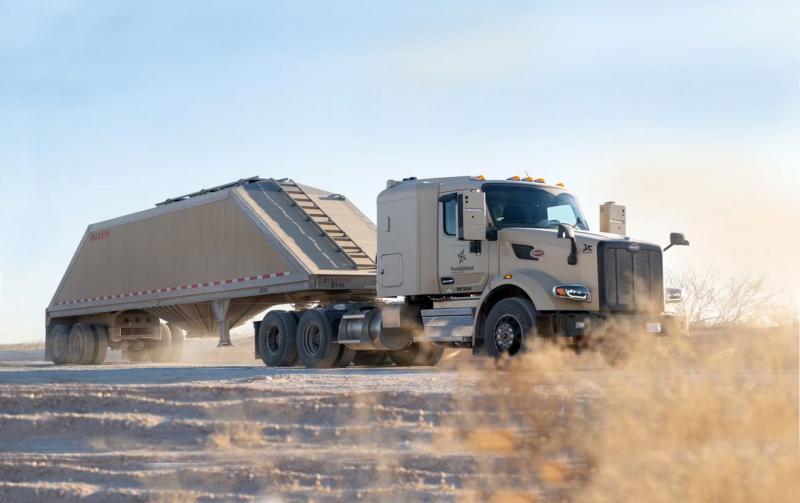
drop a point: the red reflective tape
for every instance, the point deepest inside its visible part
(188, 286)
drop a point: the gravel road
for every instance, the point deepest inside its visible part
(218, 431)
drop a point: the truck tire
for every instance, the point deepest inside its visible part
(345, 357)
(137, 355)
(510, 325)
(277, 339)
(100, 343)
(315, 340)
(418, 354)
(162, 351)
(371, 358)
(81, 344)
(178, 339)
(60, 337)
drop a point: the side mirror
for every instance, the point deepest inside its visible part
(472, 216)
(566, 231)
(676, 239)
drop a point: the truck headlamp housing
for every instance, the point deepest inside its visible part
(573, 292)
(672, 295)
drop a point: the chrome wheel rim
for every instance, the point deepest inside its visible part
(508, 334)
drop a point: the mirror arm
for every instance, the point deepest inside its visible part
(573, 252)
(667, 247)
(566, 231)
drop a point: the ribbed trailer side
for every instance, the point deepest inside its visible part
(209, 261)
(178, 252)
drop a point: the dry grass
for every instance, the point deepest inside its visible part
(709, 418)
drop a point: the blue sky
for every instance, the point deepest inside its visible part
(686, 111)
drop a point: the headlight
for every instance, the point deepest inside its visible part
(572, 292)
(673, 294)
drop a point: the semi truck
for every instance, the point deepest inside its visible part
(495, 266)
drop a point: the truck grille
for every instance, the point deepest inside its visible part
(631, 279)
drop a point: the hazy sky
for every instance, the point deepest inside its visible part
(685, 111)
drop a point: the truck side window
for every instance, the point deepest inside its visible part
(450, 207)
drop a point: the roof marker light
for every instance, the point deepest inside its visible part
(479, 177)
(514, 178)
(560, 184)
(540, 180)
(527, 179)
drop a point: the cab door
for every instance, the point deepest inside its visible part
(463, 265)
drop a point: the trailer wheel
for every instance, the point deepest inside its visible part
(100, 344)
(138, 355)
(277, 344)
(178, 338)
(81, 344)
(509, 324)
(418, 354)
(371, 358)
(315, 344)
(162, 352)
(60, 337)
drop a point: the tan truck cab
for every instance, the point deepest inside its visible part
(491, 261)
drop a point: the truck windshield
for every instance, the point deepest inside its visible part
(519, 206)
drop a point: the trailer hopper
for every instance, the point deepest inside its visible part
(207, 261)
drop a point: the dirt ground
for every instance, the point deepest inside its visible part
(230, 429)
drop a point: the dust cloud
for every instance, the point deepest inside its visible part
(713, 417)
(739, 210)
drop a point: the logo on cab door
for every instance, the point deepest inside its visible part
(462, 257)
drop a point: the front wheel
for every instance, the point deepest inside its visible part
(511, 323)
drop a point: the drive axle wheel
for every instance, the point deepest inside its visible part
(418, 354)
(371, 358)
(277, 335)
(315, 336)
(510, 325)
(345, 357)
(81, 344)
(60, 337)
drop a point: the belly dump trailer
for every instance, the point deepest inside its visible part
(453, 262)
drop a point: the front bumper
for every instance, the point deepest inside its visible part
(580, 324)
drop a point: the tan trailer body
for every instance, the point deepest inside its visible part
(247, 246)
